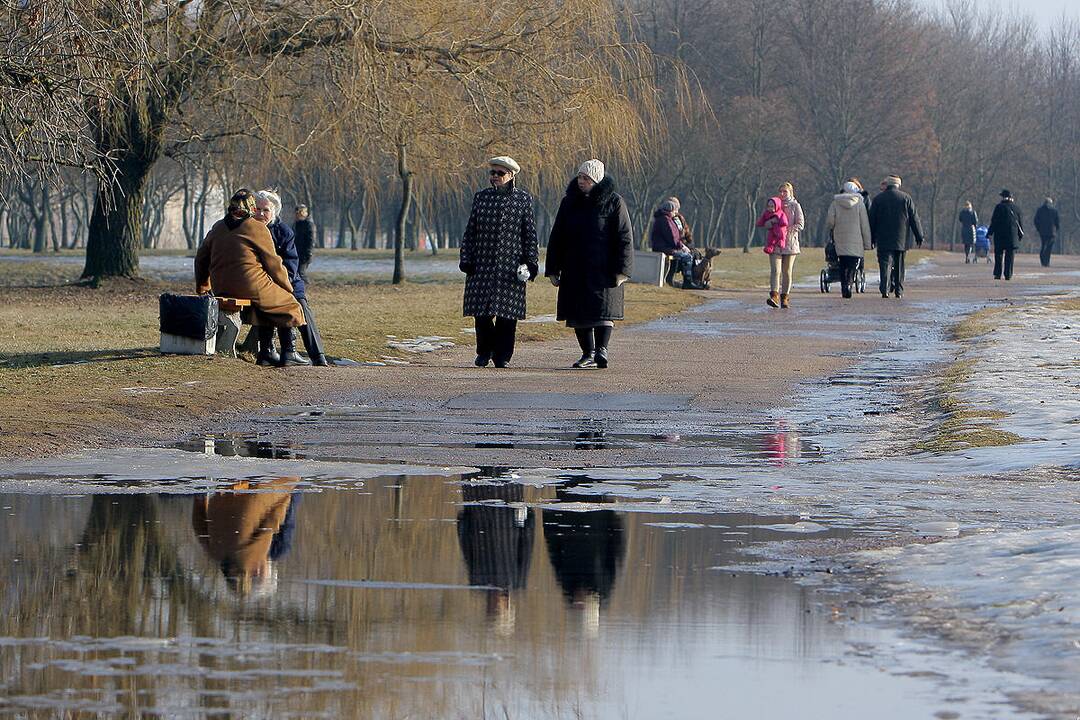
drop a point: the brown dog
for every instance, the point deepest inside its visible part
(703, 266)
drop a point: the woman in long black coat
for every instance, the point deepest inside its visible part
(498, 255)
(590, 255)
(1007, 230)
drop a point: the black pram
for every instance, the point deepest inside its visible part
(831, 272)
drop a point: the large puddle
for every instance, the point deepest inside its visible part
(471, 596)
(359, 561)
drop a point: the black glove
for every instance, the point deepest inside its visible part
(466, 267)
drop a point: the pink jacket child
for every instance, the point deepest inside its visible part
(776, 221)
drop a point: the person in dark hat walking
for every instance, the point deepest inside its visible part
(892, 217)
(1006, 230)
(498, 255)
(1048, 223)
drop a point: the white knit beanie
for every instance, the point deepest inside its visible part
(593, 168)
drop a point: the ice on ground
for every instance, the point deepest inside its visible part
(1019, 590)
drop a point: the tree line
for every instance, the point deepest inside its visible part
(380, 119)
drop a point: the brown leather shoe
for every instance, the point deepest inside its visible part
(784, 302)
(773, 300)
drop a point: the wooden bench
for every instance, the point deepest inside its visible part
(229, 323)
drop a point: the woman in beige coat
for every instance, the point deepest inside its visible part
(237, 259)
(783, 262)
(849, 224)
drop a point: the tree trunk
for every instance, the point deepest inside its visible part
(403, 214)
(112, 245)
(41, 221)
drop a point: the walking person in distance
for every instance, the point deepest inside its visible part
(1006, 231)
(849, 224)
(1047, 223)
(968, 220)
(892, 218)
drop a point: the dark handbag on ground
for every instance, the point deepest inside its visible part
(190, 316)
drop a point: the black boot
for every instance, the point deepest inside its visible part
(602, 336)
(289, 356)
(588, 348)
(266, 354)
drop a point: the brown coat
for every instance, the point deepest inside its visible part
(238, 528)
(242, 263)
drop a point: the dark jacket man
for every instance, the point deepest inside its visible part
(1047, 222)
(892, 215)
(892, 218)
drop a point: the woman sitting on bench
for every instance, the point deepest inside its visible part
(237, 259)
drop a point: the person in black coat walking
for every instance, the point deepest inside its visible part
(1048, 223)
(892, 218)
(304, 230)
(1006, 230)
(590, 255)
(498, 256)
(968, 221)
(268, 206)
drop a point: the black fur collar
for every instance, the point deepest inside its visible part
(601, 194)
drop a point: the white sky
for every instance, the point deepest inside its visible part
(1045, 12)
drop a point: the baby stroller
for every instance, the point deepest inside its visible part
(982, 243)
(831, 272)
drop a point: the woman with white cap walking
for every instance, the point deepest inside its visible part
(590, 255)
(849, 224)
(498, 255)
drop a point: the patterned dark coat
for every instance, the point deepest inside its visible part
(591, 243)
(500, 236)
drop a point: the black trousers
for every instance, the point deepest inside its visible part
(1045, 250)
(891, 270)
(848, 265)
(309, 333)
(1003, 262)
(495, 337)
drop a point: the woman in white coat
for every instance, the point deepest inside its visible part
(850, 227)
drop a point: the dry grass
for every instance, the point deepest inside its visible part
(79, 366)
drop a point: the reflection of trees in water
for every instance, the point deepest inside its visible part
(586, 549)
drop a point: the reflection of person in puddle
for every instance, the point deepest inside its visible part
(245, 530)
(586, 550)
(496, 543)
(782, 444)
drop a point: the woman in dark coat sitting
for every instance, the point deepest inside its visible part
(268, 210)
(590, 255)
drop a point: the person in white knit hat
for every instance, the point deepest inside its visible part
(590, 255)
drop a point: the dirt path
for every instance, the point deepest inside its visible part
(731, 358)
